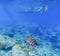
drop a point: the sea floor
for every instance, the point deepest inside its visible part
(13, 41)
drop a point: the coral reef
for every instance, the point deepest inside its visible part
(29, 41)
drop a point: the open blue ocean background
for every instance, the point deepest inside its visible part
(10, 16)
(19, 19)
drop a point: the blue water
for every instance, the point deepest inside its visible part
(12, 15)
(20, 19)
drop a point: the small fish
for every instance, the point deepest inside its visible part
(31, 41)
(46, 7)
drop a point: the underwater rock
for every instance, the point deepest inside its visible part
(6, 43)
(17, 50)
(9, 53)
(2, 53)
(2, 46)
